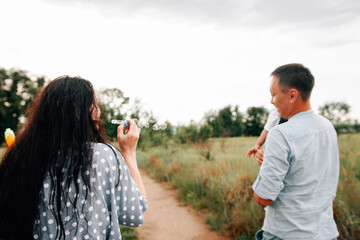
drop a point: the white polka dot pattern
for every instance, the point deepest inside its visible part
(114, 196)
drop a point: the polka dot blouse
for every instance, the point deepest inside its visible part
(114, 199)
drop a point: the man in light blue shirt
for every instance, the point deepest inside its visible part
(299, 174)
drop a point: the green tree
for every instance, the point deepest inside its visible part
(137, 111)
(211, 120)
(18, 90)
(225, 122)
(237, 126)
(356, 126)
(336, 112)
(112, 101)
(228, 122)
(255, 120)
(187, 134)
(205, 132)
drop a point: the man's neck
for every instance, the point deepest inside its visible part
(301, 107)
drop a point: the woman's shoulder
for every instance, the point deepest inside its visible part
(105, 157)
(100, 149)
(103, 146)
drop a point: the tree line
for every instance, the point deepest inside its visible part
(19, 88)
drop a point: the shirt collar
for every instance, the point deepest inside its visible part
(301, 114)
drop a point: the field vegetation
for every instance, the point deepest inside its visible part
(205, 161)
(215, 177)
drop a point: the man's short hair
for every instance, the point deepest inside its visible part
(296, 76)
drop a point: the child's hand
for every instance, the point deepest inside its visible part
(259, 156)
(253, 150)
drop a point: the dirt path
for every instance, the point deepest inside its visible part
(166, 219)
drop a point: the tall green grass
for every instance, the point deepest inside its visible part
(216, 178)
(128, 233)
(347, 201)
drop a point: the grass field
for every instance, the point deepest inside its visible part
(216, 179)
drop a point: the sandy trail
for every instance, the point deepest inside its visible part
(166, 219)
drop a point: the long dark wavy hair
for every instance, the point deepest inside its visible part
(60, 125)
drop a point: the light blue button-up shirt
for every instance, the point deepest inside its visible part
(300, 175)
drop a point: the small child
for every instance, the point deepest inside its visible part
(273, 120)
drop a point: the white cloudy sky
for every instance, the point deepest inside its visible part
(184, 58)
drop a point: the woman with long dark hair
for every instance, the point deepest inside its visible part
(61, 180)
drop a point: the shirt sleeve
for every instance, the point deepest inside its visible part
(132, 204)
(122, 195)
(274, 168)
(273, 119)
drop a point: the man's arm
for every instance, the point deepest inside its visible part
(273, 170)
(262, 202)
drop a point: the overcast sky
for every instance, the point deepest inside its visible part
(182, 59)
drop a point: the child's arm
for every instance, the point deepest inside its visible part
(258, 144)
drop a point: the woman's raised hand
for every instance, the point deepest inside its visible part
(128, 141)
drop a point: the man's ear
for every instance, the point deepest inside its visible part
(293, 95)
